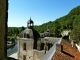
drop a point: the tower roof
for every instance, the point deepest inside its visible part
(31, 32)
(30, 21)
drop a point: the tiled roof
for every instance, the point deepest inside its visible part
(60, 56)
(67, 52)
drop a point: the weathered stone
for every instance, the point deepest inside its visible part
(3, 29)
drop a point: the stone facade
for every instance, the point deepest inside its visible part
(3, 28)
(38, 55)
(31, 46)
(36, 46)
(28, 52)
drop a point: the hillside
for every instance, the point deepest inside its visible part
(66, 22)
(70, 21)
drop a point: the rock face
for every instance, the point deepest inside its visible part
(3, 29)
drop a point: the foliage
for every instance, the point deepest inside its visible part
(67, 22)
(71, 21)
(75, 33)
(14, 31)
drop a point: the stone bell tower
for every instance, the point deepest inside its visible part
(30, 23)
(26, 42)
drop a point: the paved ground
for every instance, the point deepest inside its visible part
(14, 55)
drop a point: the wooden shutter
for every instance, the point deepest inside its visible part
(24, 57)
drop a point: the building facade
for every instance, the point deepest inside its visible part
(27, 44)
(32, 46)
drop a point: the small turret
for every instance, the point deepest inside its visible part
(30, 23)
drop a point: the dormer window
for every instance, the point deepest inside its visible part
(26, 35)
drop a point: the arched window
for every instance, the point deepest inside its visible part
(26, 35)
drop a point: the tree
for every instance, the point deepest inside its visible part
(23, 28)
(57, 29)
(75, 34)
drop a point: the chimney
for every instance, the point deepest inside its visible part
(59, 47)
(72, 42)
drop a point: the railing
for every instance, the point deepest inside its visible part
(51, 52)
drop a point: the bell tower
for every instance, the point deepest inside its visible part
(30, 23)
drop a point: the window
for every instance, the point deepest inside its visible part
(28, 36)
(24, 46)
(24, 35)
(24, 57)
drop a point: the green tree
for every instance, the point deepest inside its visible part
(75, 34)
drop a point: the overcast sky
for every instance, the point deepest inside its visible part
(40, 11)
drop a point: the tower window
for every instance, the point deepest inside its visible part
(26, 35)
(24, 46)
(47, 31)
(24, 57)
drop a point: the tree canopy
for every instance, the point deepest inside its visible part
(71, 21)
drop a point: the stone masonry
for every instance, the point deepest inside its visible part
(3, 28)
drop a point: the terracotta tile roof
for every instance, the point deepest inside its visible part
(60, 56)
(67, 52)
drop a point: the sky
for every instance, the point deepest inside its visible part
(40, 11)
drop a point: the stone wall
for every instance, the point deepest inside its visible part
(38, 55)
(29, 48)
(3, 29)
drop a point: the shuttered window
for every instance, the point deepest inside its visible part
(24, 46)
(24, 57)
